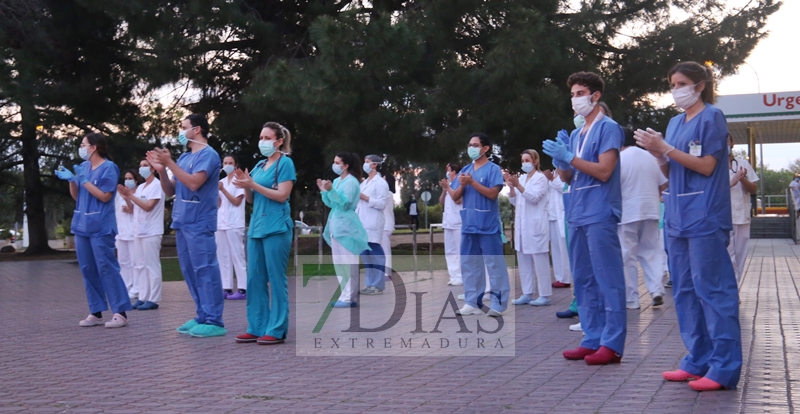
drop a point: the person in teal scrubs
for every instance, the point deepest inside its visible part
(269, 238)
(344, 231)
(194, 218)
(94, 224)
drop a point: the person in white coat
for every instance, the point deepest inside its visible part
(124, 239)
(451, 223)
(558, 230)
(374, 195)
(230, 233)
(148, 216)
(743, 183)
(531, 237)
(641, 181)
(388, 224)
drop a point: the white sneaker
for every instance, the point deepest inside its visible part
(469, 310)
(576, 327)
(493, 313)
(632, 305)
(461, 297)
(458, 283)
(118, 321)
(91, 320)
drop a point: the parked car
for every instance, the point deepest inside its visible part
(305, 228)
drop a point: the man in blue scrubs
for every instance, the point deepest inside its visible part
(194, 218)
(588, 160)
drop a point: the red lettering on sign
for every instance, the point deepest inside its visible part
(767, 103)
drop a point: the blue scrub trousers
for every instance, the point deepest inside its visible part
(267, 285)
(101, 276)
(197, 255)
(478, 253)
(375, 266)
(707, 304)
(596, 259)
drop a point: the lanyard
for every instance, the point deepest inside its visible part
(582, 144)
(735, 169)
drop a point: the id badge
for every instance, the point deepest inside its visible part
(695, 149)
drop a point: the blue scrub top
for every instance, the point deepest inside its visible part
(592, 200)
(197, 210)
(696, 205)
(269, 216)
(479, 214)
(93, 217)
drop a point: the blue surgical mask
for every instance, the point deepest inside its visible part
(337, 168)
(527, 167)
(579, 121)
(228, 169)
(267, 148)
(144, 172)
(367, 167)
(474, 153)
(83, 152)
(182, 137)
(130, 184)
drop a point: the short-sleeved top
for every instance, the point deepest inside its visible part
(93, 217)
(479, 214)
(230, 216)
(197, 210)
(696, 205)
(124, 220)
(740, 198)
(149, 223)
(451, 218)
(640, 179)
(269, 216)
(592, 200)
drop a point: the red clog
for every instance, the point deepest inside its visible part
(705, 384)
(245, 338)
(578, 353)
(678, 375)
(560, 285)
(603, 356)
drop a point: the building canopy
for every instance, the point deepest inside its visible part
(773, 118)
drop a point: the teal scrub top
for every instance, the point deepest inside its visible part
(269, 216)
(197, 210)
(93, 217)
(343, 222)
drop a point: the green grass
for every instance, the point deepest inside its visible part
(170, 270)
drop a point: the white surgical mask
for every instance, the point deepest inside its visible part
(144, 172)
(579, 121)
(337, 168)
(267, 148)
(228, 169)
(367, 167)
(83, 152)
(130, 183)
(685, 96)
(474, 153)
(527, 167)
(583, 105)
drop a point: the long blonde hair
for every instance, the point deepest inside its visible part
(535, 156)
(281, 133)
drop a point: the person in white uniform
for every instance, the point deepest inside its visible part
(531, 238)
(558, 231)
(124, 239)
(370, 209)
(148, 216)
(642, 181)
(230, 233)
(388, 223)
(451, 223)
(743, 183)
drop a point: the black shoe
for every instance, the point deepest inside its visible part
(658, 301)
(566, 314)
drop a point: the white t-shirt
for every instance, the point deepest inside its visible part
(640, 177)
(451, 217)
(149, 223)
(740, 198)
(124, 220)
(412, 209)
(230, 216)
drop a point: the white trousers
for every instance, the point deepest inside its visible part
(663, 251)
(452, 253)
(737, 248)
(125, 259)
(230, 255)
(558, 249)
(346, 264)
(386, 243)
(147, 265)
(540, 262)
(639, 241)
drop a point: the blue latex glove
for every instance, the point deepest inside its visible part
(557, 149)
(65, 174)
(80, 176)
(563, 135)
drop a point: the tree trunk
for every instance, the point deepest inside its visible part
(34, 191)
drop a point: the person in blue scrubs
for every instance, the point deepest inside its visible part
(194, 218)
(481, 232)
(269, 238)
(344, 231)
(697, 222)
(93, 185)
(588, 160)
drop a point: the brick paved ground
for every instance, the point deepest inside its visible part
(49, 364)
